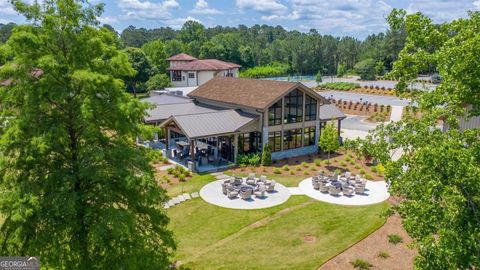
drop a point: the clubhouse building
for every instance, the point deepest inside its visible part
(226, 117)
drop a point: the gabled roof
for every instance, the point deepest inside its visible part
(251, 93)
(166, 105)
(205, 64)
(211, 123)
(181, 57)
(330, 112)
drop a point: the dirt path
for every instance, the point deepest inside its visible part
(256, 224)
(400, 256)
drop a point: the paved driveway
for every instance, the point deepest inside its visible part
(357, 122)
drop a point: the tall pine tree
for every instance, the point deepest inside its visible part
(75, 190)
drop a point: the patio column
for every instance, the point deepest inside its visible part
(192, 149)
(167, 142)
(339, 126)
(235, 147)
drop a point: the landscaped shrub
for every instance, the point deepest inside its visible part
(305, 164)
(357, 166)
(343, 164)
(312, 168)
(347, 159)
(395, 239)
(373, 169)
(342, 86)
(248, 160)
(181, 177)
(277, 171)
(327, 162)
(292, 173)
(266, 155)
(306, 173)
(368, 176)
(286, 168)
(362, 171)
(317, 162)
(361, 264)
(383, 254)
(298, 168)
(170, 170)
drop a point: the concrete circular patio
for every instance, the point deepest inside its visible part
(212, 193)
(375, 192)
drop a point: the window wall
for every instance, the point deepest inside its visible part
(275, 114)
(250, 142)
(293, 107)
(292, 139)
(309, 136)
(310, 108)
(275, 141)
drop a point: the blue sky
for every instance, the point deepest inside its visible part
(337, 17)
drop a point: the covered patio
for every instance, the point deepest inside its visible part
(206, 142)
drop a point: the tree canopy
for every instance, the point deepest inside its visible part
(329, 139)
(437, 175)
(75, 189)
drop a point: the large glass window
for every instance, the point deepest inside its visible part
(292, 139)
(310, 108)
(275, 141)
(309, 136)
(275, 114)
(249, 142)
(293, 107)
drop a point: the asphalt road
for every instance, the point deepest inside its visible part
(356, 122)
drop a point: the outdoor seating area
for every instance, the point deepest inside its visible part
(346, 184)
(249, 192)
(234, 187)
(344, 189)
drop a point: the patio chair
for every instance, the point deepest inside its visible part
(261, 191)
(262, 179)
(238, 181)
(348, 174)
(316, 185)
(334, 191)
(232, 194)
(348, 191)
(251, 176)
(323, 188)
(224, 188)
(360, 189)
(250, 181)
(247, 194)
(271, 186)
(358, 177)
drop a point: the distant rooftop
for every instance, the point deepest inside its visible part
(205, 64)
(182, 57)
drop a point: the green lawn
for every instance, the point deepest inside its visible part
(192, 185)
(288, 181)
(211, 237)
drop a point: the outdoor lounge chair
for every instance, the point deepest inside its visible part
(316, 185)
(333, 190)
(348, 174)
(359, 189)
(271, 186)
(323, 188)
(260, 193)
(224, 188)
(238, 181)
(232, 194)
(250, 181)
(348, 191)
(251, 176)
(247, 194)
(263, 179)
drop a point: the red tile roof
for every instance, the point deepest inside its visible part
(206, 64)
(182, 57)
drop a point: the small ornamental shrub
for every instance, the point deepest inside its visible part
(266, 155)
(368, 176)
(298, 168)
(306, 173)
(362, 171)
(395, 239)
(327, 162)
(181, 177)
(170, 170)
(357, 166)
(361, 264)
(305, 164)
(286, 168)
(383, 254)
(277, 171)
(292, 173)
(317, 162)
(312, 168)
(343, 164)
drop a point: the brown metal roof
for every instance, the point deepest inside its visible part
(205, 64)
(181, 57)
(253, 93)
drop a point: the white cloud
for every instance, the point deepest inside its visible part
(178, 22)
(201, 7)
(477, 4)
(266, 6)
(148, 10)
(107, 20)
(6, 8)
